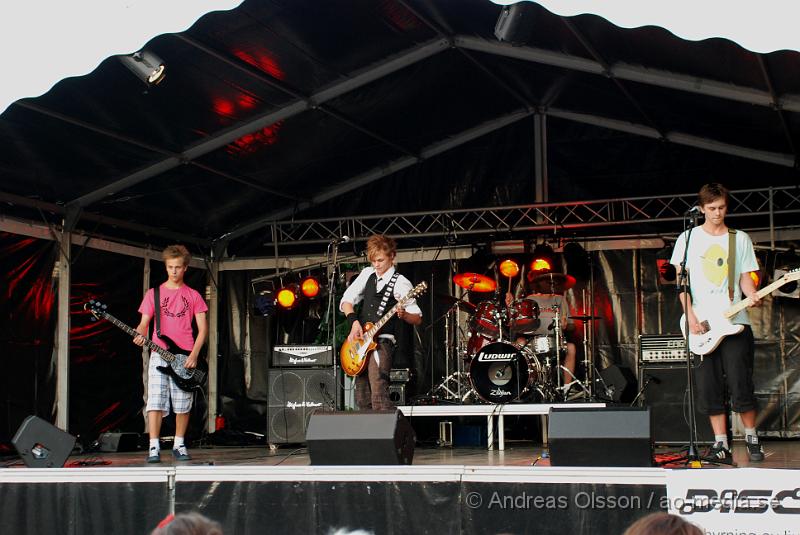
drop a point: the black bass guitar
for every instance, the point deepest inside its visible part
(186, 379)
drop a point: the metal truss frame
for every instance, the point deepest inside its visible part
(597, 216)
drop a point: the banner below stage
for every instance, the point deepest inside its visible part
(742, 501)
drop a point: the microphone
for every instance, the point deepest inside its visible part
(344, 239)
(693, 211)
(502, 371)
(656, 380)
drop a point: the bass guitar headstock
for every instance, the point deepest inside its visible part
(97, 309)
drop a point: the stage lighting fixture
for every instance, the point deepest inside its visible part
(145, 65)
(515, 24)
(543, 258)
(541, 264)
(509, 268)
(265, 303)
(790, 289)
(287, 296)
(667, 274)
(310, 287)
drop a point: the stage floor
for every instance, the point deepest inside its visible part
(779, 454)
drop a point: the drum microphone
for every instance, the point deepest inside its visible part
(344, 239)
(499, 373)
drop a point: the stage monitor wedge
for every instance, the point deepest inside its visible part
(603, 436)
(41, 444)
(360, 438)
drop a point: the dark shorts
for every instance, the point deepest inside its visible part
(731, 365)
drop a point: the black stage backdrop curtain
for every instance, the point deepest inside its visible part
(27, 330)
(105, 386)
(624, 287)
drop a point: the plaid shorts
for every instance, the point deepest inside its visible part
(161, 388)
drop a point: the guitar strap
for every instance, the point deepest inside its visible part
(157, 305)
(731, 262)
(387, 291)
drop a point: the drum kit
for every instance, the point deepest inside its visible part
(514, 349)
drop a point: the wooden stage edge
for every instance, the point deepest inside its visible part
(521, 457)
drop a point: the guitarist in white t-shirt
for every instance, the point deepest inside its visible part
(731, 361)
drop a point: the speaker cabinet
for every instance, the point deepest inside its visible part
(667, 396)
(115, 442)
(620, 384)
(397, 393)
(41, 444)
(364, 437)
(609, 436)
(294, 395)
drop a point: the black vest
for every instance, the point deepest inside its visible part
(372, 300)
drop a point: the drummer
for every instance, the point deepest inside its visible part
(542, 294)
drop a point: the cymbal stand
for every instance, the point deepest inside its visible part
(557, 345)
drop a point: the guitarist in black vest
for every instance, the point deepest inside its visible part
(379, 287)
(178, 305)
(719, 263)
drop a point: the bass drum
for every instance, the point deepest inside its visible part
(502, 372)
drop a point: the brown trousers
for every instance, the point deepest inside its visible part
(372, 387)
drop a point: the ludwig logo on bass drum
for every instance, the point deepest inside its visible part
(495, 357)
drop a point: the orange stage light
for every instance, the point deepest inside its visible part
(509, 268)
(540, 264)
(287, 297)
(310, 287)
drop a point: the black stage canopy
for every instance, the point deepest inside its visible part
(300, 109)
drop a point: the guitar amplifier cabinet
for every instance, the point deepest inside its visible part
(662, 348)
(294, 395)
(302, 356)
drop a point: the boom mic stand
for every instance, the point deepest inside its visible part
(333, 268)
(692, 456)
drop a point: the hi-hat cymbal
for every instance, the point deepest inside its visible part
(475, 282)
(464, 305)
(556, 283)
(585, 318)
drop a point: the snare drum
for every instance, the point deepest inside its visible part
(502, 372)
(524, 317)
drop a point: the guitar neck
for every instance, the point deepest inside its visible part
(744, 303)
(149, 344)
(381, 322)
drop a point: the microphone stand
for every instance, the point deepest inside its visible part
(691, 454)
(332, 269)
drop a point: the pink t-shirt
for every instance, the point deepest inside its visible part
(178, 307)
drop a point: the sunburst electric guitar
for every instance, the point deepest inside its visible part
(353, 355)
(187, 379)
(718, 324)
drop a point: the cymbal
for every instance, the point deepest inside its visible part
(557, 283)
(475, 282)
(585, 318)
(465, 305)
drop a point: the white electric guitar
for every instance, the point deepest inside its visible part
(718, 324)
